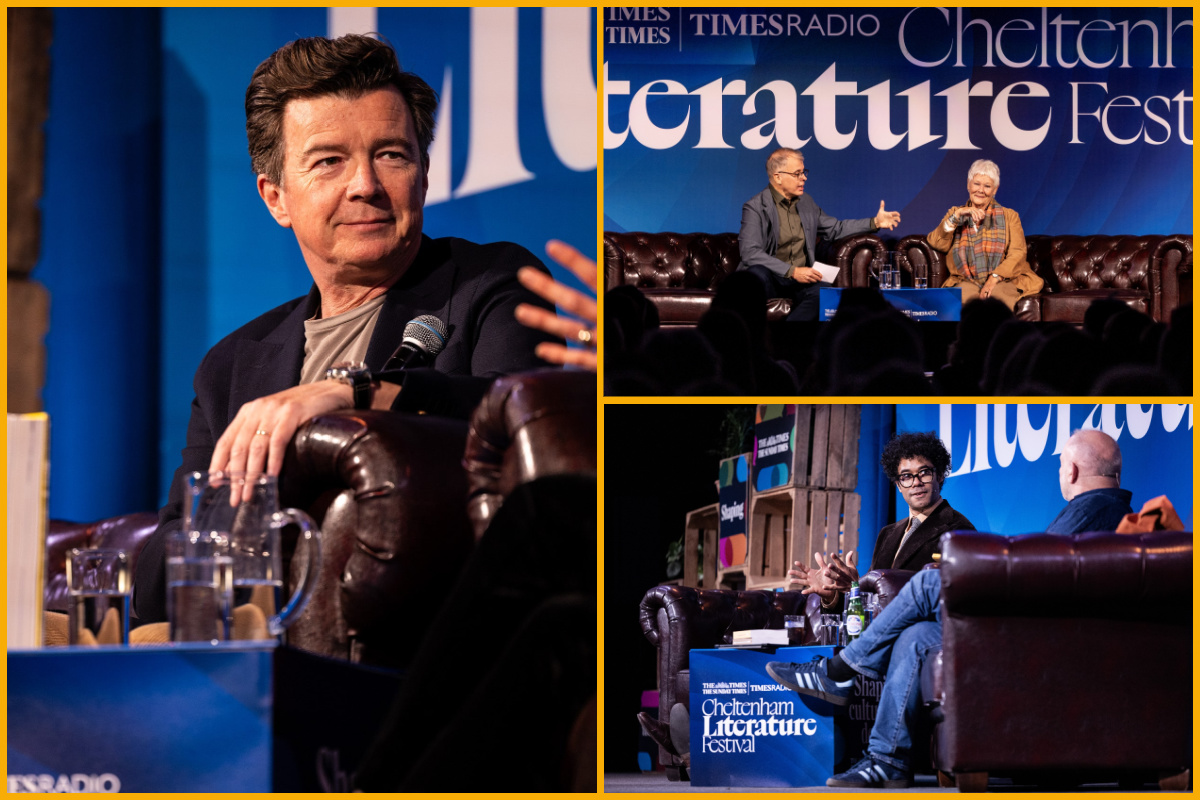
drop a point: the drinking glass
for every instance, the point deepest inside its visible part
(831, 629)
(98, 592)
(795, 627)
(230, 542)
(920, 282)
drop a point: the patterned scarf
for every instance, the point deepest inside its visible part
(978, 250)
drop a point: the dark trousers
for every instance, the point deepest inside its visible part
(805, 297)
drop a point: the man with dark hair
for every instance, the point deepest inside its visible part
(897, 643)
(339, 138)
(780, 225)
(918, 464)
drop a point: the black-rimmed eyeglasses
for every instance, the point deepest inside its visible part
(907, 479)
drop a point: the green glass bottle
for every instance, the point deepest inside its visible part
(855, 618)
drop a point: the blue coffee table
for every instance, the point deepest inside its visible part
(923, 305)
(746, 730)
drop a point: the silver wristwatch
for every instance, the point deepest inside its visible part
(356, 374)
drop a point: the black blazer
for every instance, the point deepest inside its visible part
(920, 547)
(473, 288)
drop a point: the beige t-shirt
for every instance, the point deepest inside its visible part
(341, 338)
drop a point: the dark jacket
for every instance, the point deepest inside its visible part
(471, 287)
(924, 542)
(758, 238)
(1095, 510)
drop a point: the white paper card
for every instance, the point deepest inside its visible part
(828, 273)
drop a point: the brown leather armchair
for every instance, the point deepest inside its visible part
(677, 619)
(1146, 272)
(680, 272)
(1064, 657)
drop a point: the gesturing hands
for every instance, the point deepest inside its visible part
(573, 302)
(976, 215)
(830, 576)
(886, 219)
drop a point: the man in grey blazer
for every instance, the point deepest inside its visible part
(780, 226)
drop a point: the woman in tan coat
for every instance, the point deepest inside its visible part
(985, 243)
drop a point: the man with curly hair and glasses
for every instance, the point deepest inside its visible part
(918, 464)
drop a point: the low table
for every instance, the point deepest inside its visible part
(746, 730)
(923, 305)
(240, 717)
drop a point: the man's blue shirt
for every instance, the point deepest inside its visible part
(1097, 510)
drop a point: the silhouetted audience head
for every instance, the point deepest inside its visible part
(882, 337)
(870, 348)
(628, 316)
(1064, 360)
(1097, 315)
(1135, 380)
(743, 294)
(1008, 336)
(1122, 337)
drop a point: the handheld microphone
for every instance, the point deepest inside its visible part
(424, 338)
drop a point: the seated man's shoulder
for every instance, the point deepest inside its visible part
(483, 256)
(958, 520)
(256, 329)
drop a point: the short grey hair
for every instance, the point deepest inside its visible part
(776, 160)
(986, 167)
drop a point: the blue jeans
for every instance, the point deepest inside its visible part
(894, 647)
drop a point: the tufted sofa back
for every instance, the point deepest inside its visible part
(669, 260)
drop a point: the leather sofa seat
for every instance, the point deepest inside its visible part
(1145, 272)
(680, 272)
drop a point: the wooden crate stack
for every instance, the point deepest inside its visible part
(816, 510)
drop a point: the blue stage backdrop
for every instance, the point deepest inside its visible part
(1005, 458)
(1087, 111)
(156, 244)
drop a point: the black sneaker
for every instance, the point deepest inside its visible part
(872, 774)
(812, 679)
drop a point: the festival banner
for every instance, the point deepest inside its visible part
(1087, 111)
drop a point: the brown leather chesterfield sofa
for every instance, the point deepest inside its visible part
(680, 272)
(1146, 272)
(401, 500)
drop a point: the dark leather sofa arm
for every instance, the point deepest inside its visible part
(529, 426)
(389, 493)
(854, 255)
(1175, 252)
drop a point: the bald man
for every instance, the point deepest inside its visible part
(1089, 476)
